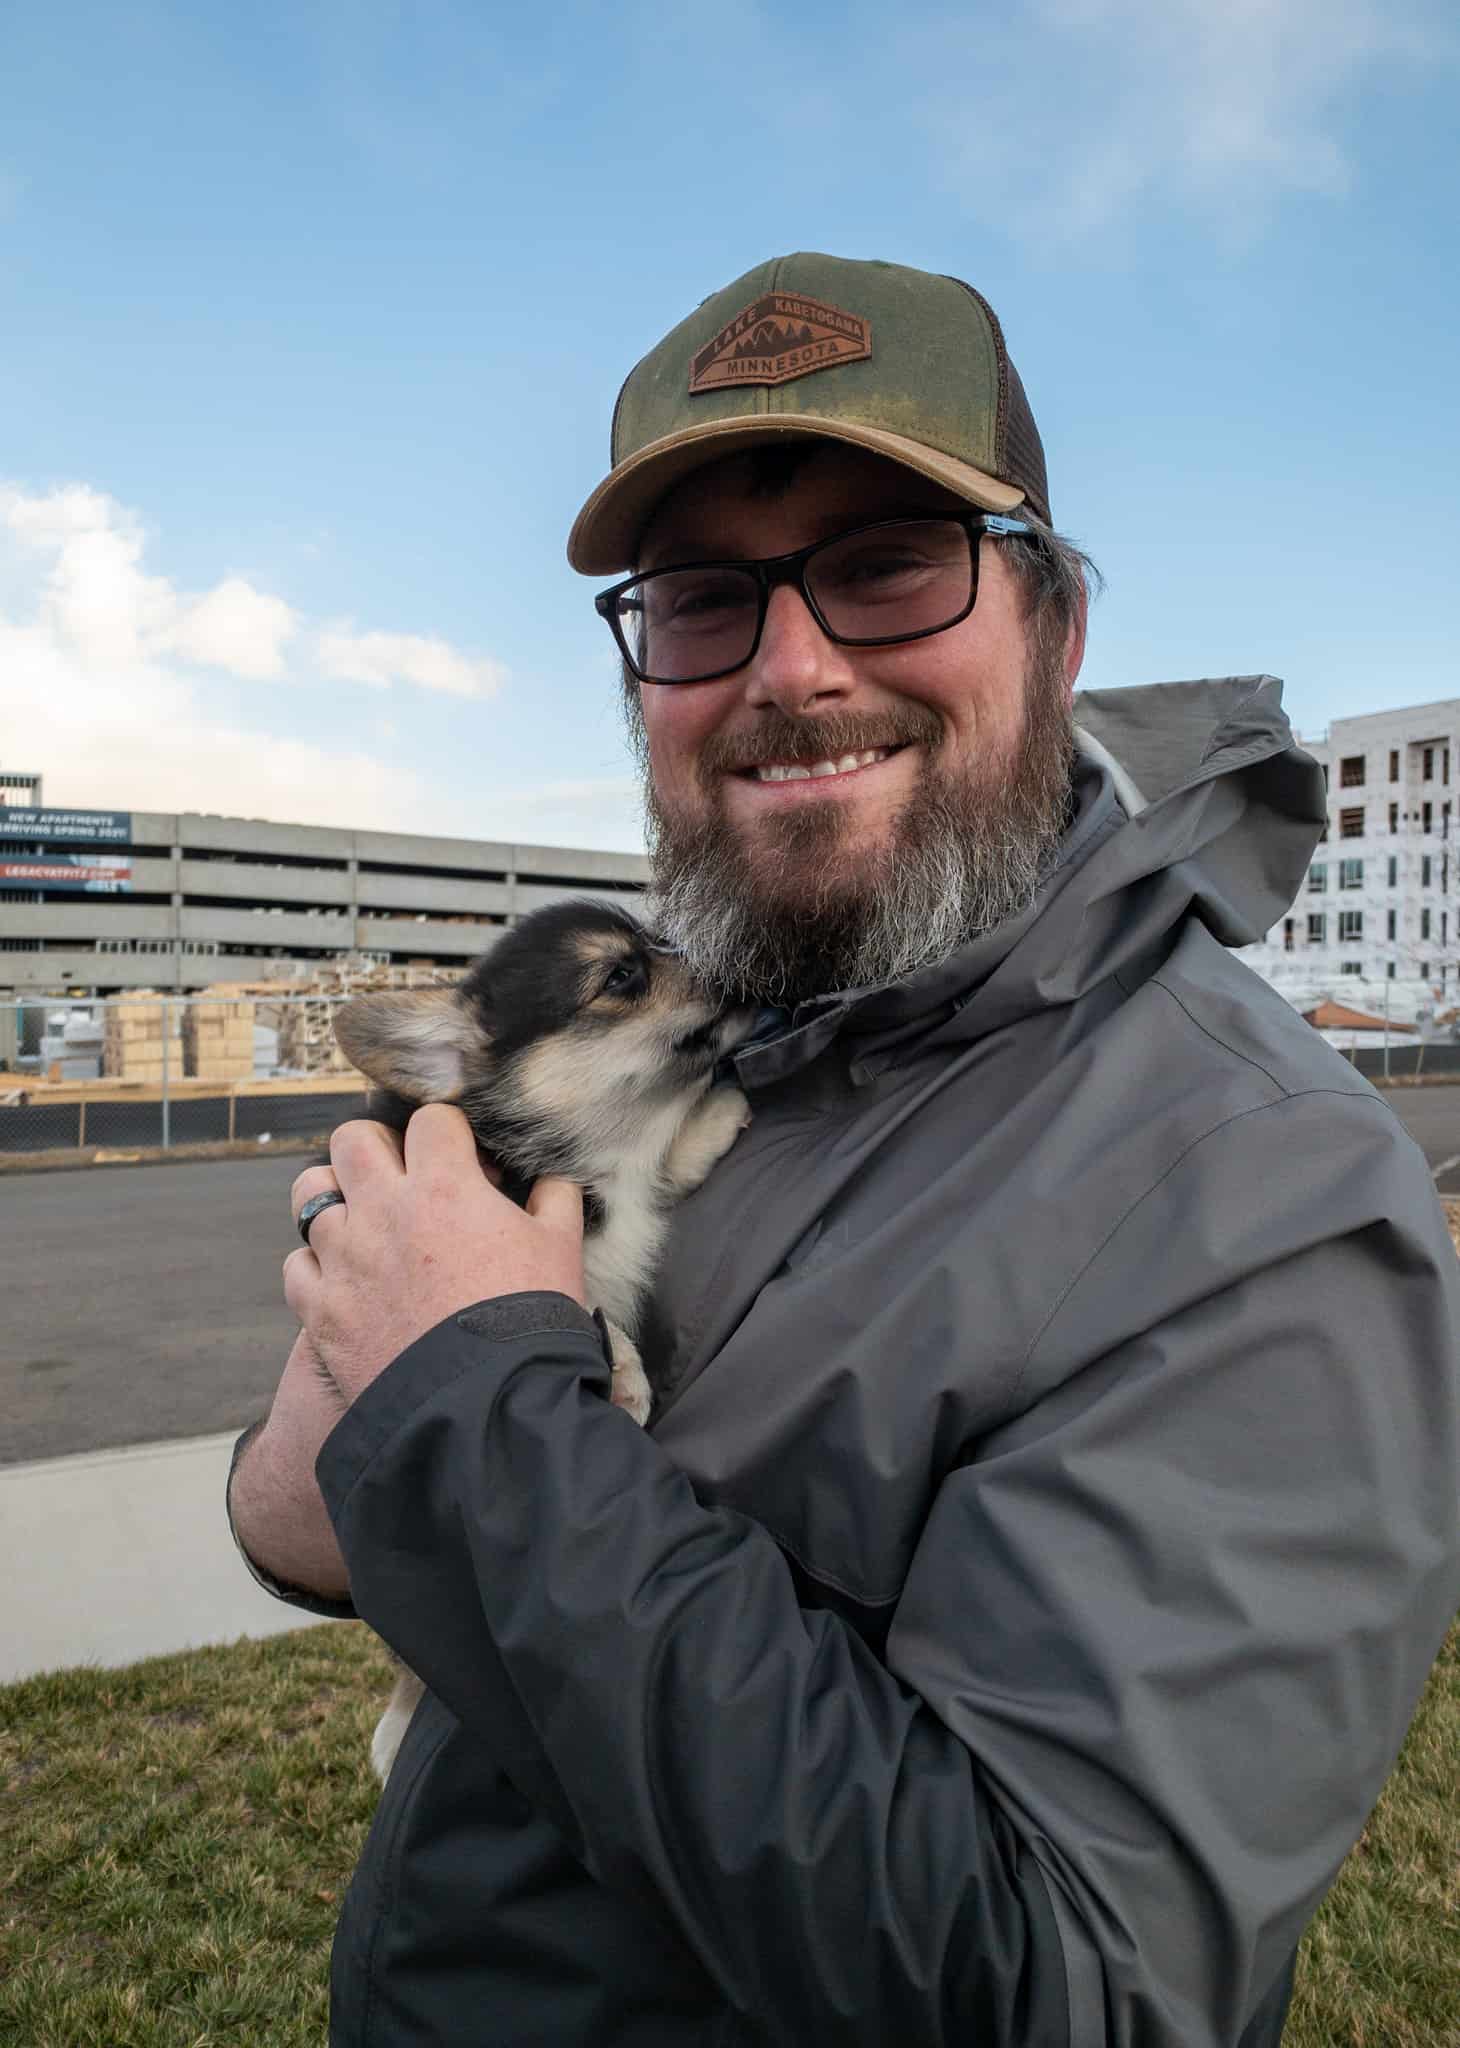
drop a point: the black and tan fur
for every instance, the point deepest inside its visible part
(577, 1046)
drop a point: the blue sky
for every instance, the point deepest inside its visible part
(312, 318)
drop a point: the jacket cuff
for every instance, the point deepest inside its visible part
(521, 1329)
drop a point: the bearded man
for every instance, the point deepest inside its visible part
(1048, 1517)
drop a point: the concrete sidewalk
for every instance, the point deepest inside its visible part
(114, 1555)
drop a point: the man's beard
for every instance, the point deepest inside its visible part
(792, 912)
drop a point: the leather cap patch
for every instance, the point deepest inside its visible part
(780, 336)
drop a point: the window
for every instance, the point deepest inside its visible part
(1393, 872)
(1317, 880)
(1424, 970)
(1391, 970)
(1445, 777)
(1351, 772)
(1424, 871)
(1429, 766)
(1444, 927)
(1389, 931)
(1424, 924)
(1394, 764)
(1317, 928)
(1444, 821)
(1288, 923)
(1351, 823)
(1427, 818)
(1350, 925)
(1350, 966)
(1350, 874)
(1393, 817)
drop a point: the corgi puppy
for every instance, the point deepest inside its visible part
(577, 1046)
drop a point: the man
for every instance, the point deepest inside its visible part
(1049, 1515)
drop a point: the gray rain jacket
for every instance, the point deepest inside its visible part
(1046, 1528)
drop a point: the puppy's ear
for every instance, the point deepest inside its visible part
(420, 1042)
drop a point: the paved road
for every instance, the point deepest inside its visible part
(142, 1303)
(1433, 1117)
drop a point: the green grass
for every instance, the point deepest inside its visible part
(174, 1841)
(175, 1838)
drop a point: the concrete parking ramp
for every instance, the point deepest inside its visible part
(114, 1555)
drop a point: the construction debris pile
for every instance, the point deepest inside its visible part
(306, 1028)
(230, 1031)
(305, 1021)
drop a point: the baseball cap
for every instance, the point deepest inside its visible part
(903, 362)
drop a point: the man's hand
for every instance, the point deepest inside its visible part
(422, 1233)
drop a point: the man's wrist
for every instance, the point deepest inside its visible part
(281, 1525)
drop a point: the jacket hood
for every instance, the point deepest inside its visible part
(1192, 799)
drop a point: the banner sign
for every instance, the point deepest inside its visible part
(94, 828)
(94, 874)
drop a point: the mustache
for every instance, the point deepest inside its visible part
(800, 741)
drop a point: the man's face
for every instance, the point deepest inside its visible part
(784, 888)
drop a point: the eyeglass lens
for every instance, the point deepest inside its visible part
(879, 584)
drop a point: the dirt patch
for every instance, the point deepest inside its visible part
(1451, 1206)
(73, 1156)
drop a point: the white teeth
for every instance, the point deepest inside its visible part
(775, 772)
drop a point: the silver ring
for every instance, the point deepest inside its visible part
(314, 1206)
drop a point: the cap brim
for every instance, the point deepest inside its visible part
(606, 532)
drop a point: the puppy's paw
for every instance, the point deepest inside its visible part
(631, 1389)
(707, 1136)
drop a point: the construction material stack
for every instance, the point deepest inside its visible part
(218, 1039)
(133, 1043)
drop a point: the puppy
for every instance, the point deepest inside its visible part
(578, 1046)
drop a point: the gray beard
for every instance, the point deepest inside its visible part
(796, 915)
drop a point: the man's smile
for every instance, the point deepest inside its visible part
(859, 775)
(844, 764)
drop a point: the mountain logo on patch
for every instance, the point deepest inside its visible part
(780, 336)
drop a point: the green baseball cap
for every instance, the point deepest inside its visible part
(903, 362)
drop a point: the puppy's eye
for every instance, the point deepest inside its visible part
(627, 979)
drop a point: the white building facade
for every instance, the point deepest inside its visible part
(1381, 903)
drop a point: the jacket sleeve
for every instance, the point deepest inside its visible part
(1154, 1657)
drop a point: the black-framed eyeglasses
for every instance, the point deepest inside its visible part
(872, 586)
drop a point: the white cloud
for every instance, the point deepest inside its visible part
(381, 659)
(1063, 117)
(110, 680)
(140, 736)
(92, 595)
(96, 598)
(234, 627)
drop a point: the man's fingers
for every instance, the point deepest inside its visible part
(315, 1180)
(301, 1278)
(438, 1137)
(558, 1203)
(362, 1147)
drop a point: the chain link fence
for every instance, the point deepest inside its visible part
(148, 1072)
